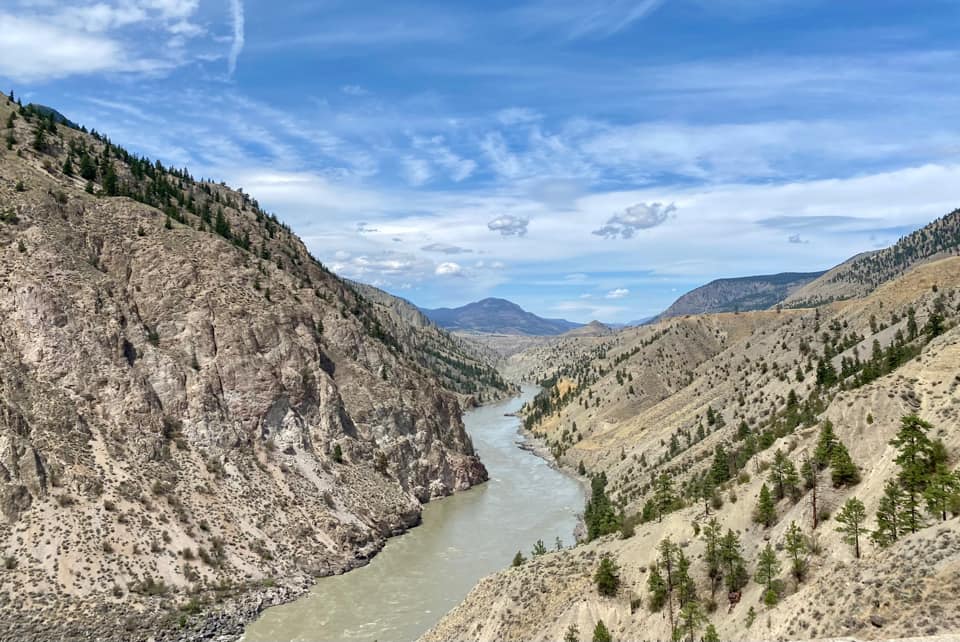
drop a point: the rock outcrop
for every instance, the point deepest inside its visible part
(193, 410)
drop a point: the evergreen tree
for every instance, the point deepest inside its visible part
(734, 566)
(783, 476)
(657, 587)
(67, 167)
(518, 559)
(664, 496)
(768, 568)
(851, 518)
(88, 169)
(710, 635)
(943, 489)
(916, 463)
(686, 587)
(691, 618)
(607, 577)
(720, 469)
(668, 564)
(539, 548)
(888, 515)
(599, 514)
(843, 471)
(221, 226)
(572, 634)
(796, 545)
(110, 183)
(766, 511)
(713, 554)
(600, 633)
(810, 473)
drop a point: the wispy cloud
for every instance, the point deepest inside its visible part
(575, 20)
(236, 47)
(619, 293)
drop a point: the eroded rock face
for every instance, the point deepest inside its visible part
(178, 411)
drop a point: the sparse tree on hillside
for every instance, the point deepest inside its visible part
(888, 515)
(843, 471)
(572, 634)
(607, 577)
(795, 543)
(916, 459)
(601, 633)
(664, 496)
(713, 539)
(518, 559)
(734, 566)
(810, 473)
(766, 511)
(691, 618)
(539, 548)
(768, 569)
(711, 635)
(783, 476)
(942, 491)
(851, 518)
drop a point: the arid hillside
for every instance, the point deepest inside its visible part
(720, 416)
(196, 417)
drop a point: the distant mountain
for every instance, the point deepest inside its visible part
(592, 329)
(862, 274)
(498, 316)
(740, 294)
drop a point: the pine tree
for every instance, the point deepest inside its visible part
(796, 545)
(843, 471)
(67, 167)
(810, 472)
(943, 489)
(734, 566)
(518, 559)
(766, 511)
(664, 496)
(657, 587)
(599, 514)
(783, 476)
(667, 561)
(916, 463)
(691, 618)
(572, 634)
(539, 548)
(600, 633)
(710, 635)
(713, 555)
(823, 453)
(686, 587)
(606, 577)
(88, 169)
(768, 568)
(888, 515)
(720, 469)
(851, 518)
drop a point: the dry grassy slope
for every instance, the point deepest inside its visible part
(539, 600)
(863, 273)
(166, 395)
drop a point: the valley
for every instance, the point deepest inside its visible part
(207, 434)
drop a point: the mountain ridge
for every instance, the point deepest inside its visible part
(497, 316)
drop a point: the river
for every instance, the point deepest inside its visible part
(421, 575)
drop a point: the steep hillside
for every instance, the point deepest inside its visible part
(740, 294)
(684, 420)
(196, 417)
(462, 366)
(864, 273)
(498, 316)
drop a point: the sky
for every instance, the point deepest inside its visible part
(583, 159)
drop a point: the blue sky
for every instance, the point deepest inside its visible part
(584, 159)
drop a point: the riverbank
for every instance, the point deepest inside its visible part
(417, 578)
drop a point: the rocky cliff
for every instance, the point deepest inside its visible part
(196, 417)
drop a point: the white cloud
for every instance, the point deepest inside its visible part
(54, 52)
(449, 269)
(236, 47)
(619, 293)
(509, 225)
(636, 217)
(416, 170)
